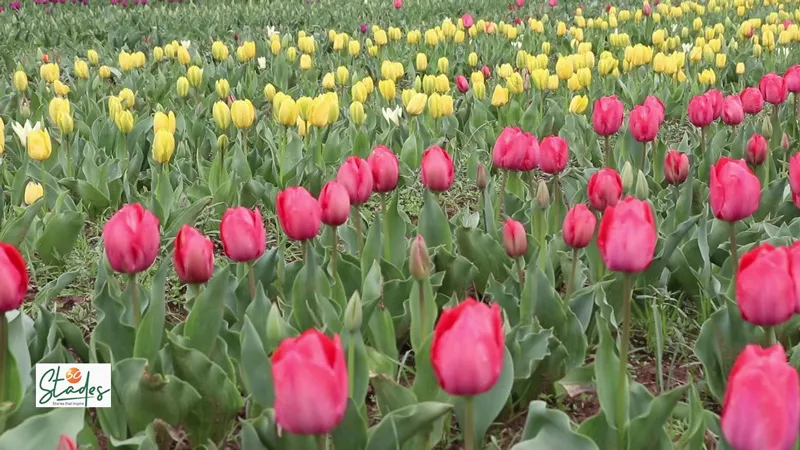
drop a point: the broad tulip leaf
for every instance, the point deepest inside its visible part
(256, 367)
(391, 395)
(485, 253)
(372, 246)
(43, 431)
(433, 224)
(352, 432)
(606, 376)
(647, 431)
(59, 236)
(400, 425)
(14, 232)
(489, 404)
(150, 332)
(547, 429)
(204, 320)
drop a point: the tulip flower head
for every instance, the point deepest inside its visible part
(193, 256)
(437, 169)
(579, 225)
(734, 191)
(627, 236)
(604, 189)
(131, 239)
(244, 238)
(299, 213)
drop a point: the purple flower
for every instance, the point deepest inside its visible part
(15, 6)
(363, 28)
(2, 8)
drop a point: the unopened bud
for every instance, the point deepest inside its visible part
(25, 110)
(642, 189)
(222, 143)
(543, 195)
(480, 177)
(276, 329)
(627, 176)
(353, 313)
(420, 263)
(785, 142)
(766, 128)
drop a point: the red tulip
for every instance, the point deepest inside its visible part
(656, 107)
(627, 236)
(299, 213)
(578, 227)
(786, 24)
(794, 178)
(607, 115)
(646, 9)
(734, 190)
(385, 169)
(356, 176)
(643, 124)
(756, 150)
(14, 284)
(462, 84)
(515, 241)
(717, 102)
(794, 270)
(487, 72)
(310, 377)
(520, 3)
(765, 290)
(792, 78)
(66, 443)
(701, 112)
(676, 167)
(131, 239)
(244, 237)
(515, 150)
(437, 169)
(604, 189)
(773, 88)
(752, 100)
(398, 4)
(762, 401)
(732, 110)
(467, 21)
(334, 203)
(194, 256)
(478, 327)
(552, 3)
(553, 154)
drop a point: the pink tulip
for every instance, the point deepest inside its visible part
(299, 213)
(244, 238)
(356, 176)
(131, 238)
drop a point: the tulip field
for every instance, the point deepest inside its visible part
(400, 225)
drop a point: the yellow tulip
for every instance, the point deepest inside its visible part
(584, 76)
(740, 69)
(446, 105)
(357, 114)
(223, 88)
(707, 76)
(416, 105)
(20, 81)
(219, 51)
(515, 84)
(359, 92)
(540, 78)
(163, 146)
(499, 96)
(163, 121)
(369, 85)
(472, 59)
(275, 47)
(222, 115)
(304, 106)
(92, 56)
(49, 72)
(269, 91)
(104, 72)
(60, 88)
(318, 112)
(342, 75)
(183, 55)
(406, 95)
(443, 64)
(354, 48)
(574, 84)
(64, 122)
(578, 104)
(329, 81)
(479, 90)
(182, 86)
(387, 89)
(552, 83)
(721, 60)
(288, 113)
(305, 62)
(38, 145)
(127, 97)
(81, 69)
(332, 101)
(421, 62)
(243, 114)
(124, 121)
(33, 192)
(564, 68)
(434, 106)
(57, 104)
(194, 75)
(442, 84)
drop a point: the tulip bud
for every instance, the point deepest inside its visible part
(480, 177)
(25, 109)
(222, 143)
(276, 328)
(785, 142)
(627, 176)
(515, 241)
(270, 91)
(420, 262)
(353, 313)
(766, 128)
(182, 86)
(124, 121)
(543, 195)
(64, 122)
(223, 88)
(642, 189)
(222, 115)
(33, 191)
(357, 114)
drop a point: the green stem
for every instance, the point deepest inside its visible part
(3, 352)
(334, 249)
(501, 196)
(359, 235)
(387, 248)
(422, 310)
(244, 141)
(622, 376)
(734, 250)
(520, 270)
(44, 187)
(769, 337)
(69, 156)
(572, 273)
(137, 311)
(322, 442)
(251, 275)
(608, 151)
(644, 156)
(351, 365)
(469, 427)
(556, 203)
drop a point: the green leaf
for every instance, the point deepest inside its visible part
(185, 216)
(391, 395)
(43, 431)
(59, 236)
(394, 236)
(606, 370)
(256, 367)
(14, 232)
(352, 432)
(400, 425)
(372, 246)
(647, 431)
(433, 224)
(150, 332)
(489, 404)
(485, 253)
(547, 429)
(205, 318)
(423, 313)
